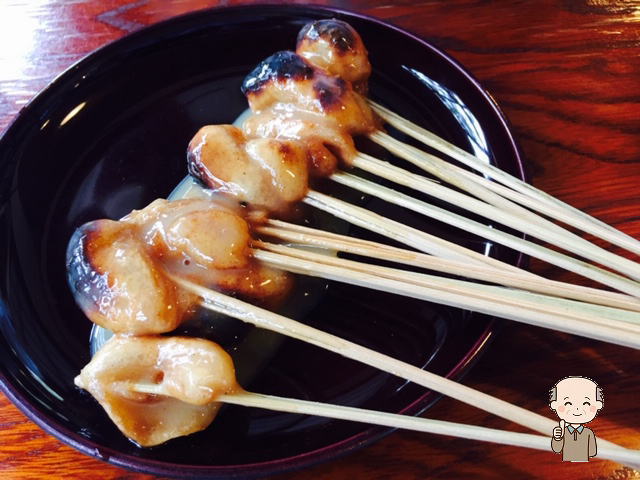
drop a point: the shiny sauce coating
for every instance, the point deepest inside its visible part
(285, 82)
(265, 173)
(301, 128)
(191, 373)
(120, 272)
(335, 47)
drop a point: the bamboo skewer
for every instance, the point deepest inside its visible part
(308, 236)
(400, 232)
(509, 304)
(550, 210)
(582, 311)
(430, 139)
(507, 212)
(454, 175)
(261, 318)
(555, 258)
(385, 419)
(538, 200)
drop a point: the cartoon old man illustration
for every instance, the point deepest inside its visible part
(576, 401)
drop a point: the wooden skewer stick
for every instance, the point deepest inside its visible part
(400, 232)
(390, 172)
(538, 200)
(508, 212)
(552, 210)
(385, 419)
(583, 311)
(453, 151)
(454, 175)
(261, 318)
(509, 304)
(331, 241)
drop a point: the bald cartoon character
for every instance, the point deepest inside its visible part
(576, 401)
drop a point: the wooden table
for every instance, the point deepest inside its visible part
(566, 73)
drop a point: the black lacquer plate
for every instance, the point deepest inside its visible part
(110, 134)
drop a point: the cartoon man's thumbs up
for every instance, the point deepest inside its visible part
(558, 432)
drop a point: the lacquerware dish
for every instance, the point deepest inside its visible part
(109, 135)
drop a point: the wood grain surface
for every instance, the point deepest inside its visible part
(566, 73)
